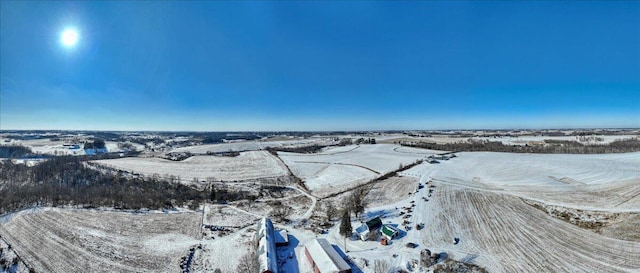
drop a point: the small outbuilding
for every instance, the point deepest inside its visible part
(282, 237)
(389, 232)
(324, 258)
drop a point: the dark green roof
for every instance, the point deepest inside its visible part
(389, 231)
(374, 223)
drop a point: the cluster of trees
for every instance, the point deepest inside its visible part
(365, 141)
(550, 147)
(279, 211)
(223, 194)
(219, 137)
(144, 140)
(66, 180)
(227, 154)
(14, 151)
(349, 141)
(96, 144)
(301, 149)
(355, 203)
(177, 156)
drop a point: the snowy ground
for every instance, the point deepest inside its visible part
(476, 197)
(68, 240)
(607, 181)
(253, 145)
(11, 262)
(248, 165)
(338, 168)
(226, 216)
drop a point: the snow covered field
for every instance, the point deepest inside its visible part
(68, 240)
(337, 168)
(248, 165)
(253, 145)
(606, 181)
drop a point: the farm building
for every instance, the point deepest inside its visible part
(324, 258)
(367, 227)
(267, 256)
(95, 151)
(389, 232)
(282, 237)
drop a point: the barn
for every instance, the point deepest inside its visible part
(324, 258)
(267, 255)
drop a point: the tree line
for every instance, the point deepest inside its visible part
(14, 151)
(550, 147)
(69, 181)
(300, 149)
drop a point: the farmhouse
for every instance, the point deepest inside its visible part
(367, 227)
(267, 256)
(324, 258)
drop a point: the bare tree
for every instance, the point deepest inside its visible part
(373, 235)
(380, 266)
(330, 211)
(357, 200)
(280, 211)
(249, 262)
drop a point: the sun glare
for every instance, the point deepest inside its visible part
(69, 37)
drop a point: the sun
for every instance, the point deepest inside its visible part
(69, 37)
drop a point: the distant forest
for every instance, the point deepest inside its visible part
(551, 147)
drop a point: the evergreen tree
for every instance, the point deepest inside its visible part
(345, 224)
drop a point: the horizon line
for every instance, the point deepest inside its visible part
(322, 131)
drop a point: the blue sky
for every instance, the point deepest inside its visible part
(338, 65)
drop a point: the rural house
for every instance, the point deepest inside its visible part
(367, 227)
(324, 258)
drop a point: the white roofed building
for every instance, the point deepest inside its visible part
(324, 258)
(267, 255)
